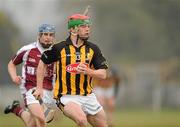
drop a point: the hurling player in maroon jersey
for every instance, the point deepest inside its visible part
(29, 56)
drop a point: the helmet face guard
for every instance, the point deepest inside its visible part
(46, 28)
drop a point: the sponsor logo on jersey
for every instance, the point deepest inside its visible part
(31, 70)
(72, 68)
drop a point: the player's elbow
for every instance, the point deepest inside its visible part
(104, 74)
(103, 77)
(11, 66)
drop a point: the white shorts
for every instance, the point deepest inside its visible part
(89, 103)
(104, 92)
(47, 97)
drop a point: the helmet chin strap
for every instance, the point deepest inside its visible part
(77, 39)
(75, 33)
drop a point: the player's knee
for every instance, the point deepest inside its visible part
(30, 122)
(41, 121)
(82, 121)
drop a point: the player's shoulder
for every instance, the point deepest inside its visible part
(92, 45)
(59, 45)
(27, 47)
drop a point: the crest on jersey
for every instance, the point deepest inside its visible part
(78, 56)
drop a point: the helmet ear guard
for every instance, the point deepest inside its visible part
(74, 31)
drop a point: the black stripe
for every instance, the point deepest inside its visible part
(87, 52)
(90, 81)
(68, 75)
(77, 78)
(60, 79)
(77, 84)
(85, 84)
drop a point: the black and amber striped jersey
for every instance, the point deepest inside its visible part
(67, 58)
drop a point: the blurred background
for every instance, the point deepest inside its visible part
(141, 38)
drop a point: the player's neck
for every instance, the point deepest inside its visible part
(77, 42)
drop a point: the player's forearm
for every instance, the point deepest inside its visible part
(12, 70)
(100, 73)
(41, 69)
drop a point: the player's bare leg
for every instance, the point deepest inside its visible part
(110, 109)
(101, 100)
(98, 120)
(28, 119)
(37, 112)
(21, 113)
(75, 112)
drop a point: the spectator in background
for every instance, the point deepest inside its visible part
(106, 91)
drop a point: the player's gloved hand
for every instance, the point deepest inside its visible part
(17, 80)
(38, 93)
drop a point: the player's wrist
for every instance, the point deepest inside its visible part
(15, 79)
(90, 72)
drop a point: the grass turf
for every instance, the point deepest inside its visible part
(127, 118)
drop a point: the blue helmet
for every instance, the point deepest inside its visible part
(46, 28)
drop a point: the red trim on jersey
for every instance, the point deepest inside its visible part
(18, 58)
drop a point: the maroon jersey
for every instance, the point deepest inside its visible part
(29, 56)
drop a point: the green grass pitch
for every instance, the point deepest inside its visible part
(128, 118)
